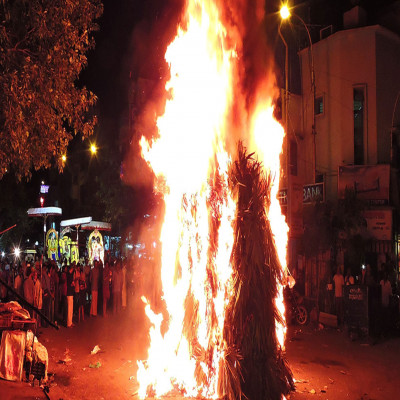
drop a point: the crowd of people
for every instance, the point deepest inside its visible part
(64, 293)
(366, 278)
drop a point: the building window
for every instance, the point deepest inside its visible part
(319, 178)
(319, 105)
(358, 115)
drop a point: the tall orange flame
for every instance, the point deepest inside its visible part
(189, 152)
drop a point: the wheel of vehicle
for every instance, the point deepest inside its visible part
(301, 315)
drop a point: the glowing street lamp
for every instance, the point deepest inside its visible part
(285, 15)
(285, 12)
(63, 158)
(17, 252)
(93, 149)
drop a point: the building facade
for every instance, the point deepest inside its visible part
(348, 138)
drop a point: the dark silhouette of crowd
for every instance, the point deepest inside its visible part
(67, 292)
(382, 283)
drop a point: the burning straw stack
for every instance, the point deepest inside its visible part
(254, 365)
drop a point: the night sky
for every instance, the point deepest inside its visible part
(120, 52)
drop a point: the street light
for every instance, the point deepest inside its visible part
(93, 149)
(285, 15)
(285, 12)
(17, 252)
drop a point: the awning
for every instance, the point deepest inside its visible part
(44, 211)
(75, 221)
(87, 224)
(101, 226)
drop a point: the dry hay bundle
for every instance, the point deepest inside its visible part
(254, 365)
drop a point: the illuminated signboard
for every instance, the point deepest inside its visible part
(311, 193)
(44, 188)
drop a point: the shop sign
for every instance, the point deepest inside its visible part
(369, 182)
(311, 193)
(379, 223)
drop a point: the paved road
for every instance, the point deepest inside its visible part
(328, 365)
(325, 363)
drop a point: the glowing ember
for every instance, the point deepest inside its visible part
(191, 163)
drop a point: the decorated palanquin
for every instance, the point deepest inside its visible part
(65, 244)
(95, 246)
(52, 244)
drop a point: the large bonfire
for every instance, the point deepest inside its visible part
(217, 164)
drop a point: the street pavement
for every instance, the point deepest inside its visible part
(328, 365)
(325, 363)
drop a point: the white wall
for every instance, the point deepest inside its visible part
(367, 56)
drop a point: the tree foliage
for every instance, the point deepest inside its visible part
(43, 46)
(333, 225)
(319, 231)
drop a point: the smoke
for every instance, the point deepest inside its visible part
(148, 73)
(254, 76)
(253, 80)
(246, 28)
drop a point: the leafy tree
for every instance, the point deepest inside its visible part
(318, 233)
(351, 227)
(43, 45)
(330, 226)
